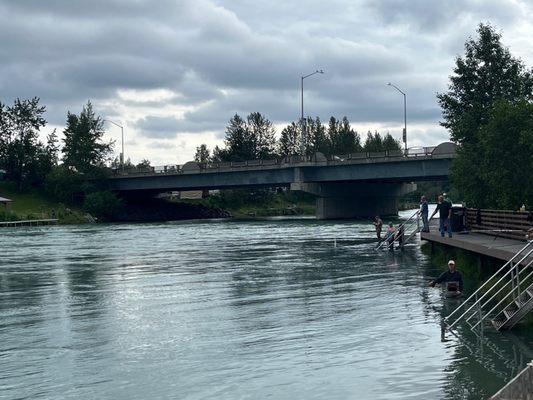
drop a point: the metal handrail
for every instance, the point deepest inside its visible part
(502, 287)
(498, 304)
(485, 284)
(417, 214)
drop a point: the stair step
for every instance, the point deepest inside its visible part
(508, 313)
(497, 323)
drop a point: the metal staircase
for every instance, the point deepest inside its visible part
(504, 299)
(409, 228)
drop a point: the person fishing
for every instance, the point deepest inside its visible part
(378, 223)
(391, 235)
(452, 278)
(424, 211)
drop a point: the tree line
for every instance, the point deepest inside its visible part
(73, 172)
(254, 137)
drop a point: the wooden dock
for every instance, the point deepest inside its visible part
(29, 222)
(491, 236)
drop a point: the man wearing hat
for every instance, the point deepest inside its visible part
(452, 277)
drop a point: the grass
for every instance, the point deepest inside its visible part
(32, 203)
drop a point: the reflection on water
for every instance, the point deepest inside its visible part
(233, 309)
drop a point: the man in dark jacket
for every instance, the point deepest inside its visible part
(452, 275)
(444, 208)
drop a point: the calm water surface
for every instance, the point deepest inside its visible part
(232, 310)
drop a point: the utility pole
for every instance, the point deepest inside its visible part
(404, 136)
(303, 122)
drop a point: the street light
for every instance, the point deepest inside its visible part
(303, 122)
(404, 114)
(122, 130)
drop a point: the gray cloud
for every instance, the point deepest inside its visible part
(218, 58)
(157, 127)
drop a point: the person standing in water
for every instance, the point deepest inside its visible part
(378, 223)
(450, 276)
(424, 212)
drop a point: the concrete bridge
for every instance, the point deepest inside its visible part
(347, 186)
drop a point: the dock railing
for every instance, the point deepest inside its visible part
(502, 223)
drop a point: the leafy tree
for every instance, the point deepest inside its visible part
(486, 73)
(102, 204)
(83, 147)
(144, 164)
(505, 150)
(484, 76)
(202, 155)
(289, 142)
(20, 149)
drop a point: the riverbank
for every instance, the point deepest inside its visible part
(33, 204)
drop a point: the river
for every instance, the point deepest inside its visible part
(279, 309)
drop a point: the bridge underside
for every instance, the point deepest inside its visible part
(353, 200)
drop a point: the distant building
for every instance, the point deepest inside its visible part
(5, 202)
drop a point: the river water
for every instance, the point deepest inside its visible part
(278, 309)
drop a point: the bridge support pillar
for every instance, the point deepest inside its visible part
(353, 200)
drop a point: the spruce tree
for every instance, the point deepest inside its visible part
(84, 148)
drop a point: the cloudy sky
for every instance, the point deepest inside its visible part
(174, 71)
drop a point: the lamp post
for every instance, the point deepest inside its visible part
(303, 122)
(404, 115)
(122, 153)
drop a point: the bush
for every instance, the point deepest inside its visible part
(8, 216)
(103, 204)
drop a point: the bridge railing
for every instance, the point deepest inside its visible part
(306, 160)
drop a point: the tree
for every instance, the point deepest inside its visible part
(484, 76)
(202, 155)
(389, 143)
(20, 147)
(505, 150)
(373, 142)
(318, 139)
(346, 139)
(263, 134)
(144, 164)
(332, 134)
(83, 147)
(486, 73)
(289, 142)
(240, 143)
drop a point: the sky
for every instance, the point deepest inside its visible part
(173, 72)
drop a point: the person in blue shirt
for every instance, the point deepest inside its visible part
(424, 211)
